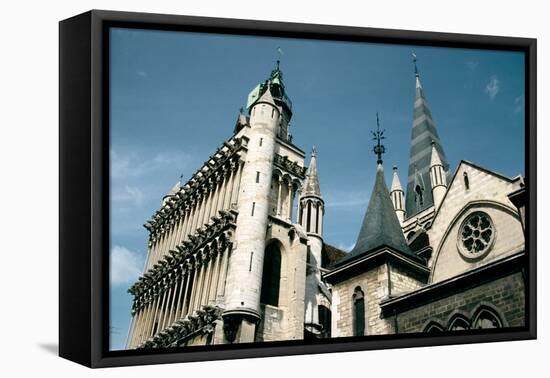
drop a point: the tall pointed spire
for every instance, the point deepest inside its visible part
(381, 226)
(419, 197)
(311, 184)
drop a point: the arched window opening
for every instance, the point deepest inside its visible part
(271, 276)
(466, 180)
(433, 327)
(459, 323)
(487, 319)
(419, 197)
(325, 319)
(358, 312)
(317, 218)
(308, 225)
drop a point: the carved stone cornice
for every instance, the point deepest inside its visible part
(282, 162)
(202, 322)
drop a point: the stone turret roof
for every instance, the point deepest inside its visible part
(266, 97)
(380, 226)
(395, 183)
(311, 184)
(436, 159)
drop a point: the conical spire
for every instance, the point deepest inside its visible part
(395, 183)
(423, 133)
(436, 159)
(380, 226)
(311, 184)
(267, 98)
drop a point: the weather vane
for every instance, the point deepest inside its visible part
(378, 135)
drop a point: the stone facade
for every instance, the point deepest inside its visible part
(231, 261)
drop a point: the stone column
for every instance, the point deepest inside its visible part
(182, 278)
(290, 201)
(153, 315)
(207, 279)
(194, 287)
(215, 279)
(236, 184)
(223, 189)
(279, 196)
(166, 307)
(184, 306)
(228, 187)
(217, 195)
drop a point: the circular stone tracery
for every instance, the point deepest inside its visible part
(476, 235)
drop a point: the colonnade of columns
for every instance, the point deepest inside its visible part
(284, 192)
(216, 193)
(196, 282)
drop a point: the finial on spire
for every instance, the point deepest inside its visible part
(313, 151)
(181, 180)
(414, 62)
(280, 52)
(378, 135)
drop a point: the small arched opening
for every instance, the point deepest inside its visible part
(271, 276)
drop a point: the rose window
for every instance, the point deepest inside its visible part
(476, 235)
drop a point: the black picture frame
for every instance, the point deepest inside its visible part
(84, 185)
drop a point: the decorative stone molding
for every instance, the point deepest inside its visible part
(292, 167)
(202, 322)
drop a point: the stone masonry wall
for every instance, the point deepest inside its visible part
(505, 295)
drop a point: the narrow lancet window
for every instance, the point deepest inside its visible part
(358, 312)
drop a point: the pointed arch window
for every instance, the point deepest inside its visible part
(419, 197)
(486, 319)
(433, 327)
(459, 323)
(308, 215)
(325, 319)
(271, 275)
(358, 312)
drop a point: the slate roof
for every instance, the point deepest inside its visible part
(331, 255)
(423, 133)
(380, 226)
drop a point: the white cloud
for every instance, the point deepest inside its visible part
(493, 87)
(128, 195)
(141, 73)
(519, 104)
(126, 266)
(134, 165)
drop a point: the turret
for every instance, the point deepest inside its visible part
(438, 177)
(312, 206)
(311, 213)
(244, 279)
(397, 196)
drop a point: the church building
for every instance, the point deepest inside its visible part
(230, 261)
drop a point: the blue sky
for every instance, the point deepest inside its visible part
(175, 97)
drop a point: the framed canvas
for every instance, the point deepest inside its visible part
(236, 188)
